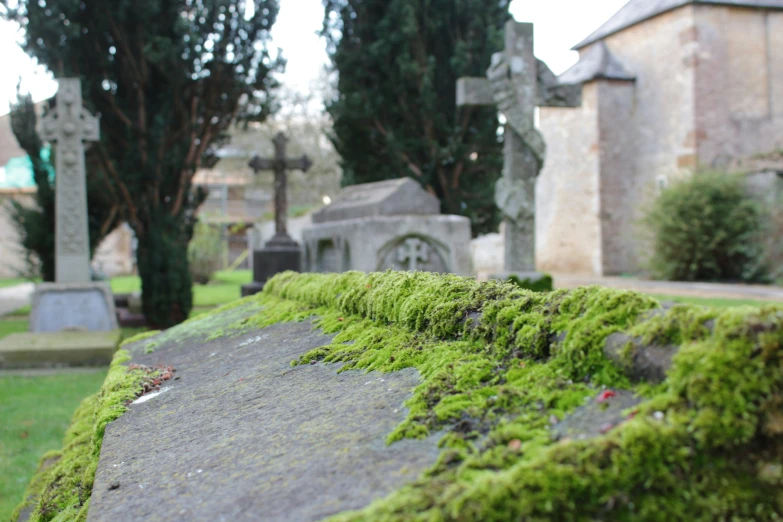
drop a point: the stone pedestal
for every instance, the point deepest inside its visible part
(58, 350)
(280, 254)
(61, 307)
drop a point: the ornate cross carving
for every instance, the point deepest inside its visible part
(413, 250)
(516, 83)
(70, 125)
(279, 164)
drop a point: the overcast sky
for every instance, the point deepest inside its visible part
(559, 25)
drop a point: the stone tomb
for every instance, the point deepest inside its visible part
(392, 224)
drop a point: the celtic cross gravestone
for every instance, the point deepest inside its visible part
(73, 301)
(516, 83)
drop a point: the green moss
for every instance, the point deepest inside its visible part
(62, 491)
(498, 363)
(139, 337)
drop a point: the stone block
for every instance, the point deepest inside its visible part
(274, 258)
(73, 306)
(394, 197)
(427, 243)
(60, 349)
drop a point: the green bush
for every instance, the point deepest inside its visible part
(544, 284)
(205, 252)
(706, 228)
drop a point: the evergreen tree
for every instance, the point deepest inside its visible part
(395, 113)
(168, 77)
(35, 223)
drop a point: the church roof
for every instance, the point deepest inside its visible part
(636, 11)
(595, 64)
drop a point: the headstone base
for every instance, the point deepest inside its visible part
(61, 307)
(280, 254)
(60, 349)
(535, 281)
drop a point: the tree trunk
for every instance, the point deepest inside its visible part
(166, 286)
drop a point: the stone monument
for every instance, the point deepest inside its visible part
(516, 83)
(393, 224)
(73, 320)
(73, 301)
(280, 253)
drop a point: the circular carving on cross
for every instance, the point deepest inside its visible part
(68, 97)
(69, 129)
(70, 158)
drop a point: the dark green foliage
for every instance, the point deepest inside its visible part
(168, 78)
(544, 284)
(35, 224)
(396, 115)
(706, 228)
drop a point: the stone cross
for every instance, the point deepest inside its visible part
(70, 125)
(279, 164)
(413, 250)
(516, 83)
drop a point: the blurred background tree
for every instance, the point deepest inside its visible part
(168, 78)
(395, 110)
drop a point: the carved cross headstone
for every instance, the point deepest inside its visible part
(413, 250)
(517, 82)
(70, 125)
(279, 164)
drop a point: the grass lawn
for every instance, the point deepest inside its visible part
(223, 289)
(4, 283)
(35, 413)
(715, 302)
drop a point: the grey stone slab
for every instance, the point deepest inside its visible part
(439, 243)
(73, 306)
(597, 416)
(395, 197)
(62, 349)
(242, 435)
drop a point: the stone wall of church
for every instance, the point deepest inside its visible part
(739, 83)
(641, 140)
(568, 231)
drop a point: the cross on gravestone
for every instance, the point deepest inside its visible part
(516, 83)
(413, 250)
(279, 164)
(70, 125)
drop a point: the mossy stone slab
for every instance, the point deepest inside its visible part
(240, 434)
(46, 350)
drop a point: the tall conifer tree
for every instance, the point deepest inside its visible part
(395, 114)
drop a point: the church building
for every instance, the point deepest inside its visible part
(669, 86)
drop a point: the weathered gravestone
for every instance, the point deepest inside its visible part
(73, 302)
(280, 253)
(516, 83)
(439, 397)
(392, 224)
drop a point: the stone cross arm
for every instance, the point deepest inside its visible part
(258, 163)
(475, 91)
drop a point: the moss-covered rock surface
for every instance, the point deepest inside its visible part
(591, 404)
